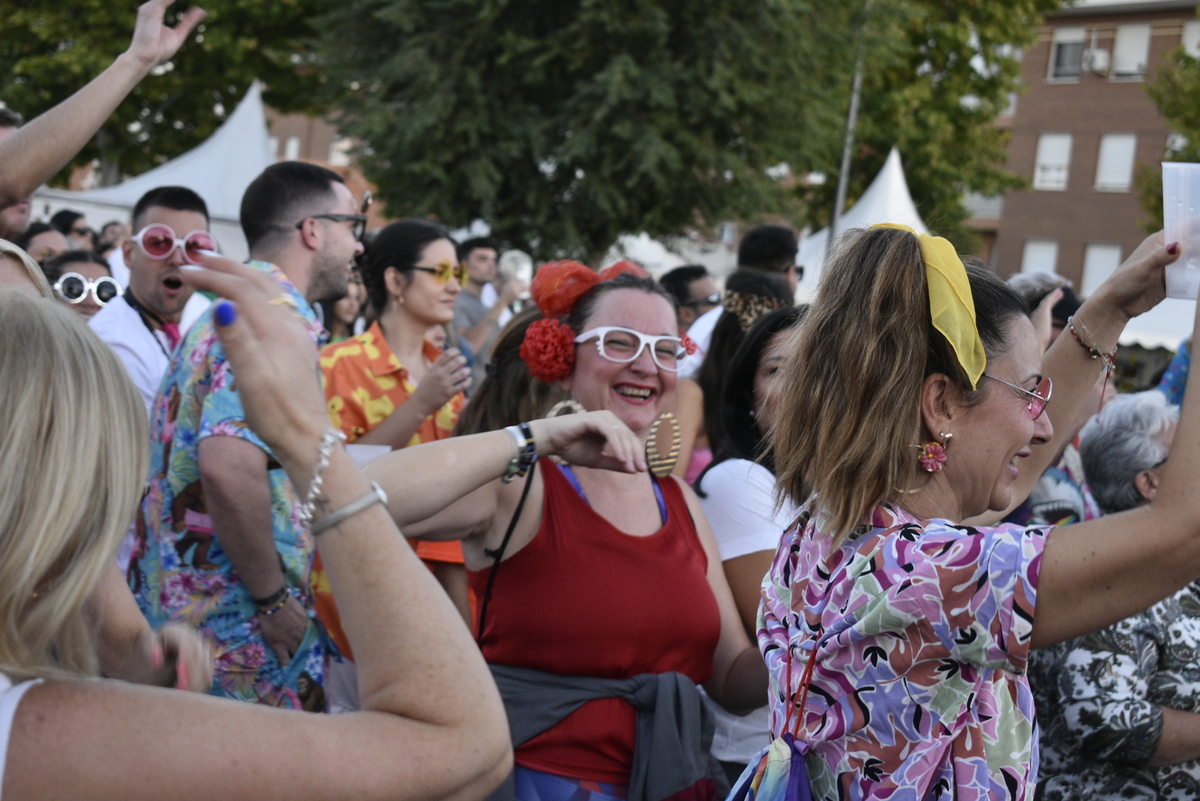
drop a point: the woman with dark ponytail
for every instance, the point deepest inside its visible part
(914, 399)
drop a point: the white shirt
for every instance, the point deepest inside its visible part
(701, 333)
(116, 265)
(145, 353)
(10, 696)
(740, 507)
(488, 297)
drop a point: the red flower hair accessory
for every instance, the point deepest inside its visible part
(689, 345)
(559, 285)
(548, 350)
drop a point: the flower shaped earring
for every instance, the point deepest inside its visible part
(933, 454)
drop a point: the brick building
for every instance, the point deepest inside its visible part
(1079, 133)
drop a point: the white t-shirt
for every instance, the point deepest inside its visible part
(701, 333)
(740, 507)
(145, 353)
(10, 696)
(116, 266)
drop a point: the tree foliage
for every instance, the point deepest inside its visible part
(1176, 92)
(937, 74)
(48, 50)
(565, 123)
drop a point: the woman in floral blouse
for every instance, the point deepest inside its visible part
(913, 401)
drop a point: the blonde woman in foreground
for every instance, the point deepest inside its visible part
(433, 725)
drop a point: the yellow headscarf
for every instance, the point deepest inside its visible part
(950, 303)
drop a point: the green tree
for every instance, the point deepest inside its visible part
(565, 123)
(1176, 92)
(937, 74)
(48, 50)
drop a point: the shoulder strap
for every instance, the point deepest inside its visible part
(498, 555)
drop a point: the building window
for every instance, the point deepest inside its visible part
(1100, 260)
(1053, 162)
(1066, 53)
(291, 148)
(1114, 168)
(1131, 51)
(339, 151)
(1191, 37)
(1041, 256)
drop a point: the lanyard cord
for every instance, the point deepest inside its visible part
(147, 316)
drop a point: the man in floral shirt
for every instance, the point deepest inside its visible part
(220, 542)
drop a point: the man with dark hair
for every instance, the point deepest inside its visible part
(223, 548)
(479, 310)
(765, 248)
(147, 322)
(694, 291)
(15, 218)
(770, 249)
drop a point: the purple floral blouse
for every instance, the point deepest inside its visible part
(922, 630)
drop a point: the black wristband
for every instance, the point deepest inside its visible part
(271, 600)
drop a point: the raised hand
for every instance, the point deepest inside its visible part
(1139, 284)
(444, 379)
(154, 42)
(592, 439)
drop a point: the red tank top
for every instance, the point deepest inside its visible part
(584, 599)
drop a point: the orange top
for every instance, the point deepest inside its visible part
(364, 383)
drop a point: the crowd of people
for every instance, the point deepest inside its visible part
(662, 539)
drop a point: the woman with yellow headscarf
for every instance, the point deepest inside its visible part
(896, 627)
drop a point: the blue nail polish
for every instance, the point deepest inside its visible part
(225, 313)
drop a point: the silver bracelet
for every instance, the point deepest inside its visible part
(331, 437)
(376, 495)
(525, 455)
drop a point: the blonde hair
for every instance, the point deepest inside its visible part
(849, 416)
(10, 251)
(73, 457)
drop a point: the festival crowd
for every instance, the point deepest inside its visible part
(367, 517)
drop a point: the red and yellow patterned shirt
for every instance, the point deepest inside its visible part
(364, 383)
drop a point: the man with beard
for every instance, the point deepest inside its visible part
(222, 546)
(146, 324)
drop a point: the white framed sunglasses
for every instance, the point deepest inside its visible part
(74, 288)
(624, 345)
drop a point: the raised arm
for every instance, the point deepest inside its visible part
(1096, 573)
(433, 725)
(39, 149)
(1136, 287)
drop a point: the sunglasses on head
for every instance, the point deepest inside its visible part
(74, 288)
(445, 270)
(158, 241)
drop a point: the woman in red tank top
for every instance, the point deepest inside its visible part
(608, 573)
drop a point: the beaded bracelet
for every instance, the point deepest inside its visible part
(331, 437)
(1109, 359)
(275, 607)
(526, 453)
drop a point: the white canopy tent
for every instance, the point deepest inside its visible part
(886, 200)
(219, 170)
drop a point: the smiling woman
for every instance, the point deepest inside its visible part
(601, 589)
(905, 675)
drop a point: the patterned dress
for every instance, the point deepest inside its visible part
(922, 630)
(1100, 700)
(179, 571)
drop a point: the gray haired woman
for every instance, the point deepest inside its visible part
(1121, 706)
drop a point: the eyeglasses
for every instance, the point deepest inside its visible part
(74, 288)
(1038, 398)
(83, 231)
(158, 241)
(445, 270)
(624, 345)
(359, 220)
(711, 300)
